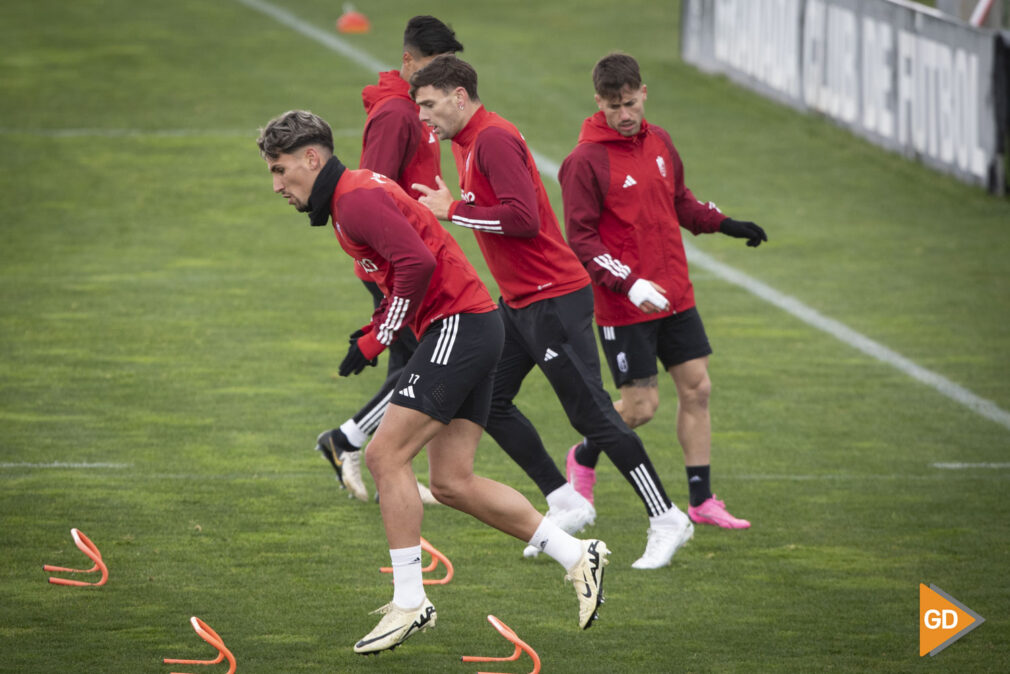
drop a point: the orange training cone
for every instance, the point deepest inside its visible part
(353, 21)
(520, 645)
(89, 549)
(212, 638)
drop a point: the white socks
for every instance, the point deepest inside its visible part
(670, 518)
(355, 435)
(408, 588)
(565, 497)
(552, 540)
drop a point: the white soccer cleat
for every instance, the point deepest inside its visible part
(352, 475)
(664, 540)
(396, 626)
(569, 520)
(587, 577)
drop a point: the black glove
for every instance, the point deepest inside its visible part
(354, 362)
(742, 229)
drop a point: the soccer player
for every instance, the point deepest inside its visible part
(625, 201)
(442, 397)
(546, 304)
(397, 145)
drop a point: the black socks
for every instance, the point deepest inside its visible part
(698, 484)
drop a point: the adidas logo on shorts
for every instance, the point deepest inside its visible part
(407, 392)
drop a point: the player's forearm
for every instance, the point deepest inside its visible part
(507, 218)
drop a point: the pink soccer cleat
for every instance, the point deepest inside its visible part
(581, 478)
(713, 511)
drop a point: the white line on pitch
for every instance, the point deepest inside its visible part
(787, 303)
(847, 335)
(842, 477)
(324, 37)
(122, 133)
(966, 466)
(147, 133)
(64, 464)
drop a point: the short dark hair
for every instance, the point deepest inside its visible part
(613, 73)
(446, 73)
(428, 36)
(291, 131)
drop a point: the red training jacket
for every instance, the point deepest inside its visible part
(403, 248)
(505, 203)
(625, 202)
(395, 142)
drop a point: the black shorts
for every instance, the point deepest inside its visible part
(451, 373)
(631, 350)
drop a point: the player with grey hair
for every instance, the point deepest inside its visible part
(442, 398)
(396, 144)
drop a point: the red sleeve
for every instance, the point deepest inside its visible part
(694, 216)
(388, 140)
(585, 177)
(369, 216)
(501, 158)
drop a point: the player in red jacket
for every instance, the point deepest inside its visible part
(443, 395)
(396, 144)
(546, 305)
(625, 203)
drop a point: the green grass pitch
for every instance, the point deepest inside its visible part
(170, 323)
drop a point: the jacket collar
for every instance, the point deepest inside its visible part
(596, 130)
(322, 191)
(469, 132)
(390, 85)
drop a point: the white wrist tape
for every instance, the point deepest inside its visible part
(642, 291)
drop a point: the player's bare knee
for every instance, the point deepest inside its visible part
(697, 395)
(639, 415)
(446, 493)
(639, 411)
(375, 460)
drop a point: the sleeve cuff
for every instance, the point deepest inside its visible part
(369, 346)
(626, 283)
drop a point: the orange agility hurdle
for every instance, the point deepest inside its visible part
(89, 549)
(520, 645)
(436, 557)
(212, 638)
